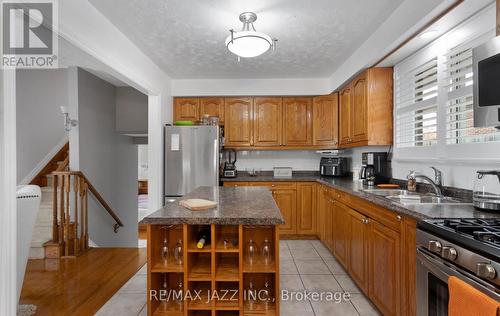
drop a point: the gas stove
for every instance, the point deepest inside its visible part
(479, 235)
(468, 249)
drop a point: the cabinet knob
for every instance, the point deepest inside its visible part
(398, 217)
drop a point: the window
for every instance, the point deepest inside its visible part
(459, 101)
(416, 93)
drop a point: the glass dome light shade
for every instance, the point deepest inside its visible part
(248, 43)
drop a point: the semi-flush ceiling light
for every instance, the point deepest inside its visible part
(248, 42)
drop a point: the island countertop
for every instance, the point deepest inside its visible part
(235, 206)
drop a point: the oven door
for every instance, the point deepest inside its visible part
(432, 284)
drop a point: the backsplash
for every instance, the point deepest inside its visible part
(307, 160)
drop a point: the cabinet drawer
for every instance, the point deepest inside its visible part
(236, 184)
(276, 185)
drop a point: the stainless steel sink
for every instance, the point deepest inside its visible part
(406, 197)
(424, 199)
(389, 192)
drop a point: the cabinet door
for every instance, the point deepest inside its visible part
(384, 283)
(340, 231)
(325, 120)
(359, 114)
(329, 222)
(297, 121)
(322, 207)
(238, 122)
(358, 236)
(212, 107)
(186, 109)
(286, 201)
(267, 122)
(345, 116)
(235, 184)
(306, 208)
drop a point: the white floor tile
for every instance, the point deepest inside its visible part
(124, 304)
(305, 254)
(312, 267)
(347, 283)
(299, 244)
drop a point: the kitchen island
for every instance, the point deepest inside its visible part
(214, 279)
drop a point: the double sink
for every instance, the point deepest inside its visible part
(405, 197)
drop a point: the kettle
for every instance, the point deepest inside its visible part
(486, 193)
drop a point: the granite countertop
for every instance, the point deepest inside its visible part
(236, 205)
(346, 184)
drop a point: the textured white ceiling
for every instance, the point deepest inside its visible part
(186, 37)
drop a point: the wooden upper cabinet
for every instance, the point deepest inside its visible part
(186, 109)
(325, 120)
(358, 236)
(267, 121)
(345, 116)
(366, 106)
(212, 107)
(238, 122)
(306, 208)
(359, 115)
(384, 277)
(297, 121)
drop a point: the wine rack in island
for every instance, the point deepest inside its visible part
(233, 271)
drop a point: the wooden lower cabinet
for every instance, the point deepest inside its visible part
(385, 275)
(322, 205)
(306, 208)
(287, 203)
(340, 231)
(358, 258)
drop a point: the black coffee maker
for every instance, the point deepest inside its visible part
(375, 168)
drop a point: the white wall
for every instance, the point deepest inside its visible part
(131, 111)
(108, 159)
(39, 123)
(228, 87)
(299, 160)
(142, 157)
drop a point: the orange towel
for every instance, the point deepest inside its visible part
(465, 300)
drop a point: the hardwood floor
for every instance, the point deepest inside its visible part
(79, 286)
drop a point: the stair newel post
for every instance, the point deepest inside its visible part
(62, 220)
(86, 212)
(67, 188)
(55, 236)
(75, 189)
(81, 238)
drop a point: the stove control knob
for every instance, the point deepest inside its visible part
(449, 253)
(434, 246)
(485, 270)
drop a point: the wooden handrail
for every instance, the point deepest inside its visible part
(95, 193)
(70, 224)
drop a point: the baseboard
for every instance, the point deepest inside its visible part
(33, 173)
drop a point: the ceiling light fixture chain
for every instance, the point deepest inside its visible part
(248, 42)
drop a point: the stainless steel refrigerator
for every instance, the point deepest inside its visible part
(191, 159)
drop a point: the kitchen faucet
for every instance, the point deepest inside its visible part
(436, 184)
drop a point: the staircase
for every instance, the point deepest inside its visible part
(61, 228)
(43, 225)
(42, 232)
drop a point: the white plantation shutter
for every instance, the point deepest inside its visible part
(459, 102)
(416, 105)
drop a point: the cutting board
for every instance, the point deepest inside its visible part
(388, 186)
(198, 204)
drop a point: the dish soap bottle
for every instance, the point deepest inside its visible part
(412, 182)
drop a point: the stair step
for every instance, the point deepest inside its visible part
(36, 253)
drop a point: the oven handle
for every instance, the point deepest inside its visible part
(443, 272)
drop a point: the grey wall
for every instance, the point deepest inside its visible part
(108, 159)
(131, 111)
(39, 121)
